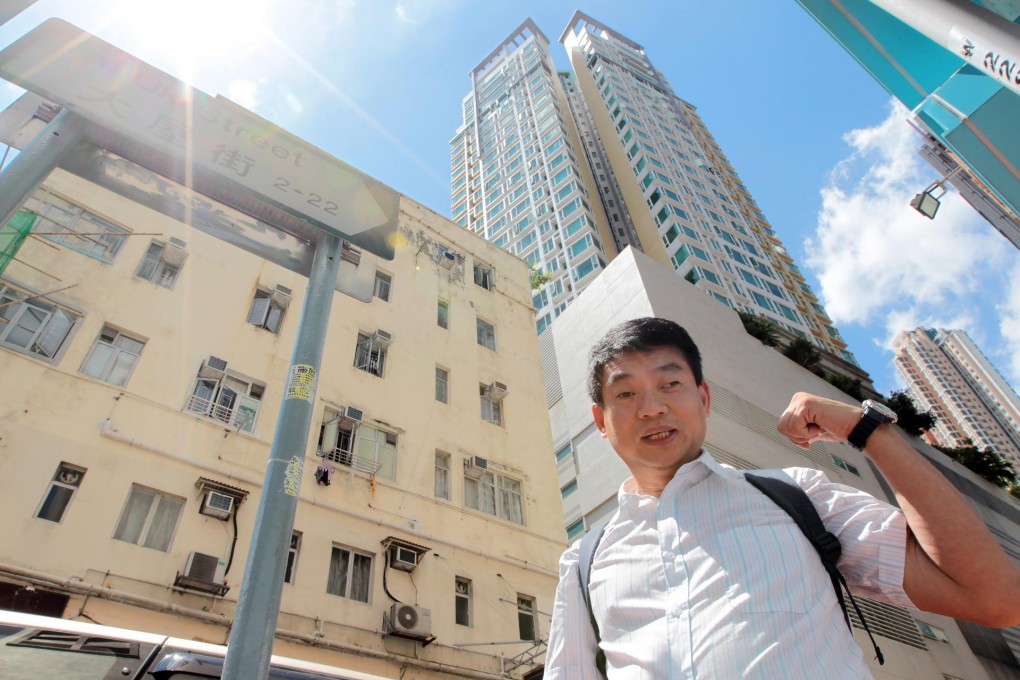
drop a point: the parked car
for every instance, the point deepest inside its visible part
(44, 648)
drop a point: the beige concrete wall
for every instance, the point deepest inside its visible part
(141, 434)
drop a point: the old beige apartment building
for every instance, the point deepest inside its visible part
(143, 363)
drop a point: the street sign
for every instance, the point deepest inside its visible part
(122, 93)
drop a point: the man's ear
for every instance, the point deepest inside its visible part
(599, 416)
(706, 397)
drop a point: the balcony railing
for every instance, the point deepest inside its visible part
(350, 459)
(235, 418)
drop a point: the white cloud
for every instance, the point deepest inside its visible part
(402, 15)
(874, 255)
(244, 92)
(1009, 326)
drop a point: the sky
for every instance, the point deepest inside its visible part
(825, 151)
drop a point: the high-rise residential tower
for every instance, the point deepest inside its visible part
(948, 374)
(517, 179)
(612, 144)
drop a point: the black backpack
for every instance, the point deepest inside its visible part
(795, 502)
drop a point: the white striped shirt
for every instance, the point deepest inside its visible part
(714, 581)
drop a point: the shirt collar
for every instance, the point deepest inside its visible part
(688, 475)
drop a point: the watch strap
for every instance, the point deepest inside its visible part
(869, 422)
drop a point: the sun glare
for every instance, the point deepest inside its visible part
(195, 31)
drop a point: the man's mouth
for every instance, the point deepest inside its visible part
(658, 436)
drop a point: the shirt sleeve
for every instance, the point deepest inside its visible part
(872, 534)
(572, 645)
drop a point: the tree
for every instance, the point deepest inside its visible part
(908, 418)
(854, 387)
(801, 351)
(987, 463)
(538, 279)
(761, 328)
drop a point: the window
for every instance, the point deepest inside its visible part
(842, 464)
(267, 308)
(575, 529)
(443, 314)
(336, 438)
(484, 276)
(462, 601)
(226, 396)
(71, 225)
(442, 385)
(526, 617)
(292, 557)
(162, 262)
(35, 325)
(492, 408)
(442, 483)
(371, 354)
(149, 519)
(350, 574)
(496, 495)
(113, 357)
(383, 282)
(61, 490)
(486, 334)
(569, 489)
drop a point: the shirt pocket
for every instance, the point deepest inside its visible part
(769, 568)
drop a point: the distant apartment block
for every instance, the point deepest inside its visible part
(947, 373)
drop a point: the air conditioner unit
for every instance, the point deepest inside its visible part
(475, 467)
(281, 295)
(410, 621)
(174, 252)
(205, 568)
(382, 337)
(351, 413)
(218, 505)
(497, 391)
(403, 558)
(213, 367)
(447, 259)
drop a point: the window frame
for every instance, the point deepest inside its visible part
(347, 593)
(212, 407)
(293, 553)
(443, 313)
(21, 300)
(160, 266)
(441, 489)
(491, 409)
(382, 286)
(466, 598)
(485, 334)
(114, 359)
(527, 609)
(158, 498)
(442, 385)
(499, 493)
(484, 275)
(56, 482)
(112, 240)
(265, 318)
(369, 357)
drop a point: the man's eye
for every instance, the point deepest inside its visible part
(673, 385)
(624, 395)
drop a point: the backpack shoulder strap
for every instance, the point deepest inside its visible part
(795, 502)
(585, 558)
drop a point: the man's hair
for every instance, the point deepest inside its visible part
(639, 335)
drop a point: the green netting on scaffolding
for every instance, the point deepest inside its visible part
(12, 235)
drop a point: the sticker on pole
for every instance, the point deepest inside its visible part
(292, 482)
(301, 383)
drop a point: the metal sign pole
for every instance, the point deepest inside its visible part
(251, 638)
(35, 162)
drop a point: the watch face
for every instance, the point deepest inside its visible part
(881, 409)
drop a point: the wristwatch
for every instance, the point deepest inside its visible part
(875, 414)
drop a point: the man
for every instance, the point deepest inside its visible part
(699, 575)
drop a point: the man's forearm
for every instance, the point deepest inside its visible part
(953, 565)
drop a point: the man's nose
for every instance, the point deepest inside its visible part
(651, 404)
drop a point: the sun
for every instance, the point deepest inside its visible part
(194, 32)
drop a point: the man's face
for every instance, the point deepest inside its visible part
(654, 414)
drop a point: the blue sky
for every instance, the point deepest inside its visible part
(828, 157)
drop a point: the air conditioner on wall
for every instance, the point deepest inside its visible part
(403, 558)
(218, 505)
(382, 337)
(353, 414)
(497, 391)
(447, 259)
(205, 568)
(410, 621)
(475, 467)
